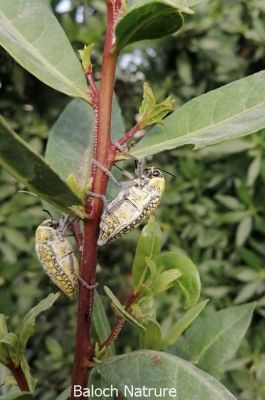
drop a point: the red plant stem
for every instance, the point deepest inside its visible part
(91, 81)
(19, 376)
(84, 350)
(120, 321)
(103, 153)
(93, 86)
(132, 132)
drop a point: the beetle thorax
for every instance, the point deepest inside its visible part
(158, 184)
(46, 232)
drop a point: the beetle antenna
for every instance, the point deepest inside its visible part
(115, 165)
(124, 172)
(169, 173)
(48, 212)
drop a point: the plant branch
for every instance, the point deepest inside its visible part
(91, 81)
(93, 86)
(131, 133)
(117, 327)
(103, 153)
(19, 376)
(120, 321)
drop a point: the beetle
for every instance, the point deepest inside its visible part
(135, 202)
(56, 255)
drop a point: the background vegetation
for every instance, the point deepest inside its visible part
(214, 208)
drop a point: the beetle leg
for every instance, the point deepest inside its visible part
(124, 150)
(99, 196)
(127, 174)
(127, 184)
(80, 279)
(139, 167)
(64, 224)
(105, 169)
(105, 204)
(139, 161)
(84, 283)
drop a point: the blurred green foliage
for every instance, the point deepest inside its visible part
(214, 209)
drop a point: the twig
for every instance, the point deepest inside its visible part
(118, 325)
(131, 133)
(19, 376)
(120, 321)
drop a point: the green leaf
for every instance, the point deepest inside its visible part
(232, 217)
(64, 395)
(247, 292)
(120, 309)
(3, 326)
(31, 170)
(70, 141)
(244, 274)
(16, 238)
(152, 267)
(229, 201)
(17, 396)
(10, 342)
(226, 148)
(149, 245)
(214, 339)
(243, 231)
(8, 347)
(149, 20)
(250, 257)
(101, 322)
(165, 280)
(183, 323)
(254, 171)
(85, 56)
(54, 348)
(232, 111)
(79, 186)
(152, 337)
(28, 323)
(3, 349)
(189, 281)
(32, 35)
(150, 112)
(157, 370)
(26, 370)
(244, 193)
(184, 5)
(74, 133)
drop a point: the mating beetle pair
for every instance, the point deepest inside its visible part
(136, 200)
